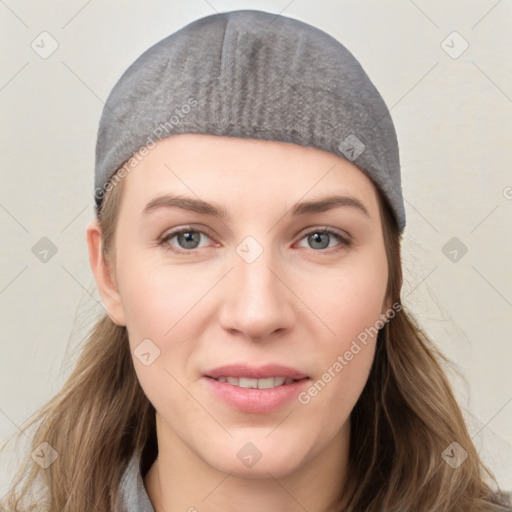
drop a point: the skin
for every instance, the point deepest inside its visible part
(297, 304)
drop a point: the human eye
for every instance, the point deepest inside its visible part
(187, 240)
(321, 238)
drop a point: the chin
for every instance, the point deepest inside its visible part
(260, 471)
(249, 462)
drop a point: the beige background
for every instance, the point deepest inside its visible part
(453, 115)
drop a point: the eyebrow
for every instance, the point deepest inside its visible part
(205, 208)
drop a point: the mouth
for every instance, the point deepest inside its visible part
(253, 389)
(261, 377)
(266, 383)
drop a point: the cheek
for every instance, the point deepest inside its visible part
(350, 304)
(163, 304)
(349, 300)
(166, 305)
(159, 300)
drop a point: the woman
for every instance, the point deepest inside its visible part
(256, 354)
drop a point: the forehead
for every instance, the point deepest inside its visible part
(244, 172)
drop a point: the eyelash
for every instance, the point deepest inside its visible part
(345, 242)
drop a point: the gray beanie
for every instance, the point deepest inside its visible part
(255, 75)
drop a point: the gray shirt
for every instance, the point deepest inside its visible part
(134, 497)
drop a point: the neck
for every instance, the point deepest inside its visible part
(180, 481)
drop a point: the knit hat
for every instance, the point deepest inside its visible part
(255, 75)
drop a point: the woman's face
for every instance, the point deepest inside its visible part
(281, 278)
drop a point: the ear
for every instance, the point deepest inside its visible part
(104, 275)
(386, 305)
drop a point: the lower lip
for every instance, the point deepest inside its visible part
(256, 400)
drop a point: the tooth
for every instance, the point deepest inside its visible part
(268, 383)
(248, 383)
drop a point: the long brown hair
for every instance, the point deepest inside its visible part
(404, 419)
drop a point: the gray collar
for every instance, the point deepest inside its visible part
(133, 493)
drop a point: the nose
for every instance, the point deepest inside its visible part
(258, 302)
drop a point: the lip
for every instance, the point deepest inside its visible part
(255, 400)
(253, 372)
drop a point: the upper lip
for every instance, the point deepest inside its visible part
(255, 372)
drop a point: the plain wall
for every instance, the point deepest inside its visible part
(454, 122)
